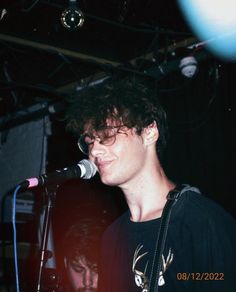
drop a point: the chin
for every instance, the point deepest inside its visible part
(108, 180)
(112, 182)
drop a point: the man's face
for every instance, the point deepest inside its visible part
(83, 278)
(122, 162)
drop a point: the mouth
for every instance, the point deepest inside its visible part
(101, 165)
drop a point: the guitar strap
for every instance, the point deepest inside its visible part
(172, 199)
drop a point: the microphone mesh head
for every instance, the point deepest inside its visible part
(90, 168)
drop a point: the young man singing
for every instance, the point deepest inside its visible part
(122, 129)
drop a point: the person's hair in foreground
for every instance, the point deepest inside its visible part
(81, 247)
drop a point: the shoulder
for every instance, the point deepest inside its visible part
(195, 208)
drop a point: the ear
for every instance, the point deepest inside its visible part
(150, 134)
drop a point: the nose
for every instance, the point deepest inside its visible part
(97, 149)
(88, 279)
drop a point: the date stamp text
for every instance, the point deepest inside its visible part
(203, 276)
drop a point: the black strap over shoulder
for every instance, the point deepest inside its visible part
(176, 193)
(172, 198)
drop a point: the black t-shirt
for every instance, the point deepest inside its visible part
(199, 254)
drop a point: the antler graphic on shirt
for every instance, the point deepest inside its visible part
(165, 265)
(140, 278)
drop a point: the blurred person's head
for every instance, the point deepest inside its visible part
(81, 254)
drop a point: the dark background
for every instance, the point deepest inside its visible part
(42, 62)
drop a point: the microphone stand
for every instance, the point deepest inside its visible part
(44, 253)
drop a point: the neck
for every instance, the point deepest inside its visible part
(146, 194)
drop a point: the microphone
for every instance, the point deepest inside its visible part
(84, 169)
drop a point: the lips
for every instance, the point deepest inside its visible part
(102, 164)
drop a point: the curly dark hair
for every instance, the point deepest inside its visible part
(83, 239)
(129, 102)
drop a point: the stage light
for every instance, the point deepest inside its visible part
(3, 13)
(214, 22)
(188, 66)
(72, 18)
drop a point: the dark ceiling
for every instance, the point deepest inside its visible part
(37, 52)
(43, 61)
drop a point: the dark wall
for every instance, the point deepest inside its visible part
(201, 149)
